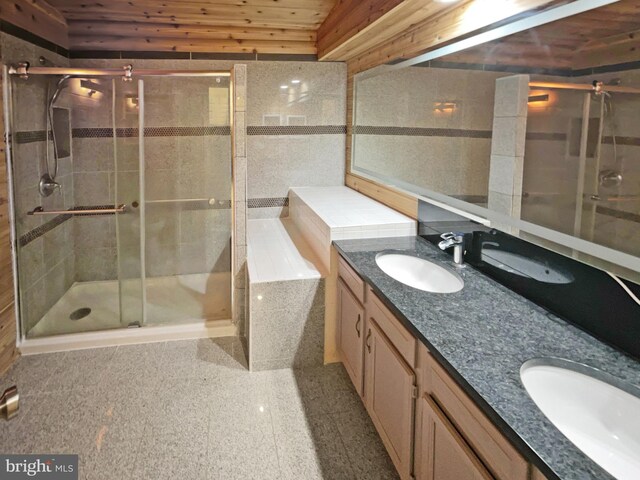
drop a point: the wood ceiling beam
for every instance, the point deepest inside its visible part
(348, 20)
(38, 17)
(321, 5)
(176, 12)
(186, 31)
(439, 29)
(128, 43)
(197, 19)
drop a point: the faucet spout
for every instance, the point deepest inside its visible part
(455, 240)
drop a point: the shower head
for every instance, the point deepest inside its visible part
(61, 85)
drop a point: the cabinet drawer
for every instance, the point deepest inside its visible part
(400, 337)
(351, 279)
(502, 459)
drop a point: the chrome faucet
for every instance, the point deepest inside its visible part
(455, 240)
(48, 185)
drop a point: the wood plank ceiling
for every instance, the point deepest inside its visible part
(605, 36)
(235, 26)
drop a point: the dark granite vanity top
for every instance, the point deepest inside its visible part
(482, 335)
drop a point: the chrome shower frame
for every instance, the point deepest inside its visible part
(127, 74)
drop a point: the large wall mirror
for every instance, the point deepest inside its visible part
(534, 126)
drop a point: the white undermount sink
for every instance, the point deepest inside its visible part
(419, 273)
(597, 412)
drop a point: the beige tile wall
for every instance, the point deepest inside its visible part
(46, 266)
(280, 161)
(410, 97)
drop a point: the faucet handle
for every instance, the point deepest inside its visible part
(455, 237)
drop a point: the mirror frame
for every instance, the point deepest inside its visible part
(621, 263)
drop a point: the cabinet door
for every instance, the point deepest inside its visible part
(390, 397)
(443, 454)
(351, 335)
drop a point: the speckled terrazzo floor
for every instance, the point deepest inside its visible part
(191, 410)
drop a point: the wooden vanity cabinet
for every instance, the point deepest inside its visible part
(481, 437)
(430, 427)
(350, 339)
(390, 393)
(442, 452)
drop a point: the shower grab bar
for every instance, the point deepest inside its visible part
(94, 211)
(210, 201)
(615, 198)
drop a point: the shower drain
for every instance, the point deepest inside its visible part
(80, 313)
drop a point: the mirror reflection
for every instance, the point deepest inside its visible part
(541, 125)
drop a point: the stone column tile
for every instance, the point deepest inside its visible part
(240, 258)
(505, 174)
(506, 204)
(240, 85)
(240, 128)
(240, 224)
(240, 179)
(512, 94)
(509, 135)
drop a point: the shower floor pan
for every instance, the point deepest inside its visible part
(171, 300)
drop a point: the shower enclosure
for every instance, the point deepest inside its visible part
(121, 187)
(581, 174)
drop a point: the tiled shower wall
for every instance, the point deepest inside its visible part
(46, 264)
(553, 159)
(295, 135)
(187, 177)
(435, 123)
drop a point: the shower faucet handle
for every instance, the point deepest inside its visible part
(48, 185)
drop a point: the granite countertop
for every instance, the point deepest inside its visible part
(482, 335)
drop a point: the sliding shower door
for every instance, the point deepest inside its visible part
(122, 200)
(76, 187)
(187, 172)
(128, 105)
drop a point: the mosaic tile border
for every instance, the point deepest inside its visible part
(630, 141)
(297, 130)
(41, 230)
(546, 136)
(31, 136)
(268, 202)
(421, 131)
(189, 204)
(107, 132)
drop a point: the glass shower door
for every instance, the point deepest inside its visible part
(78, 257)
(187, 170)
(128, 135)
